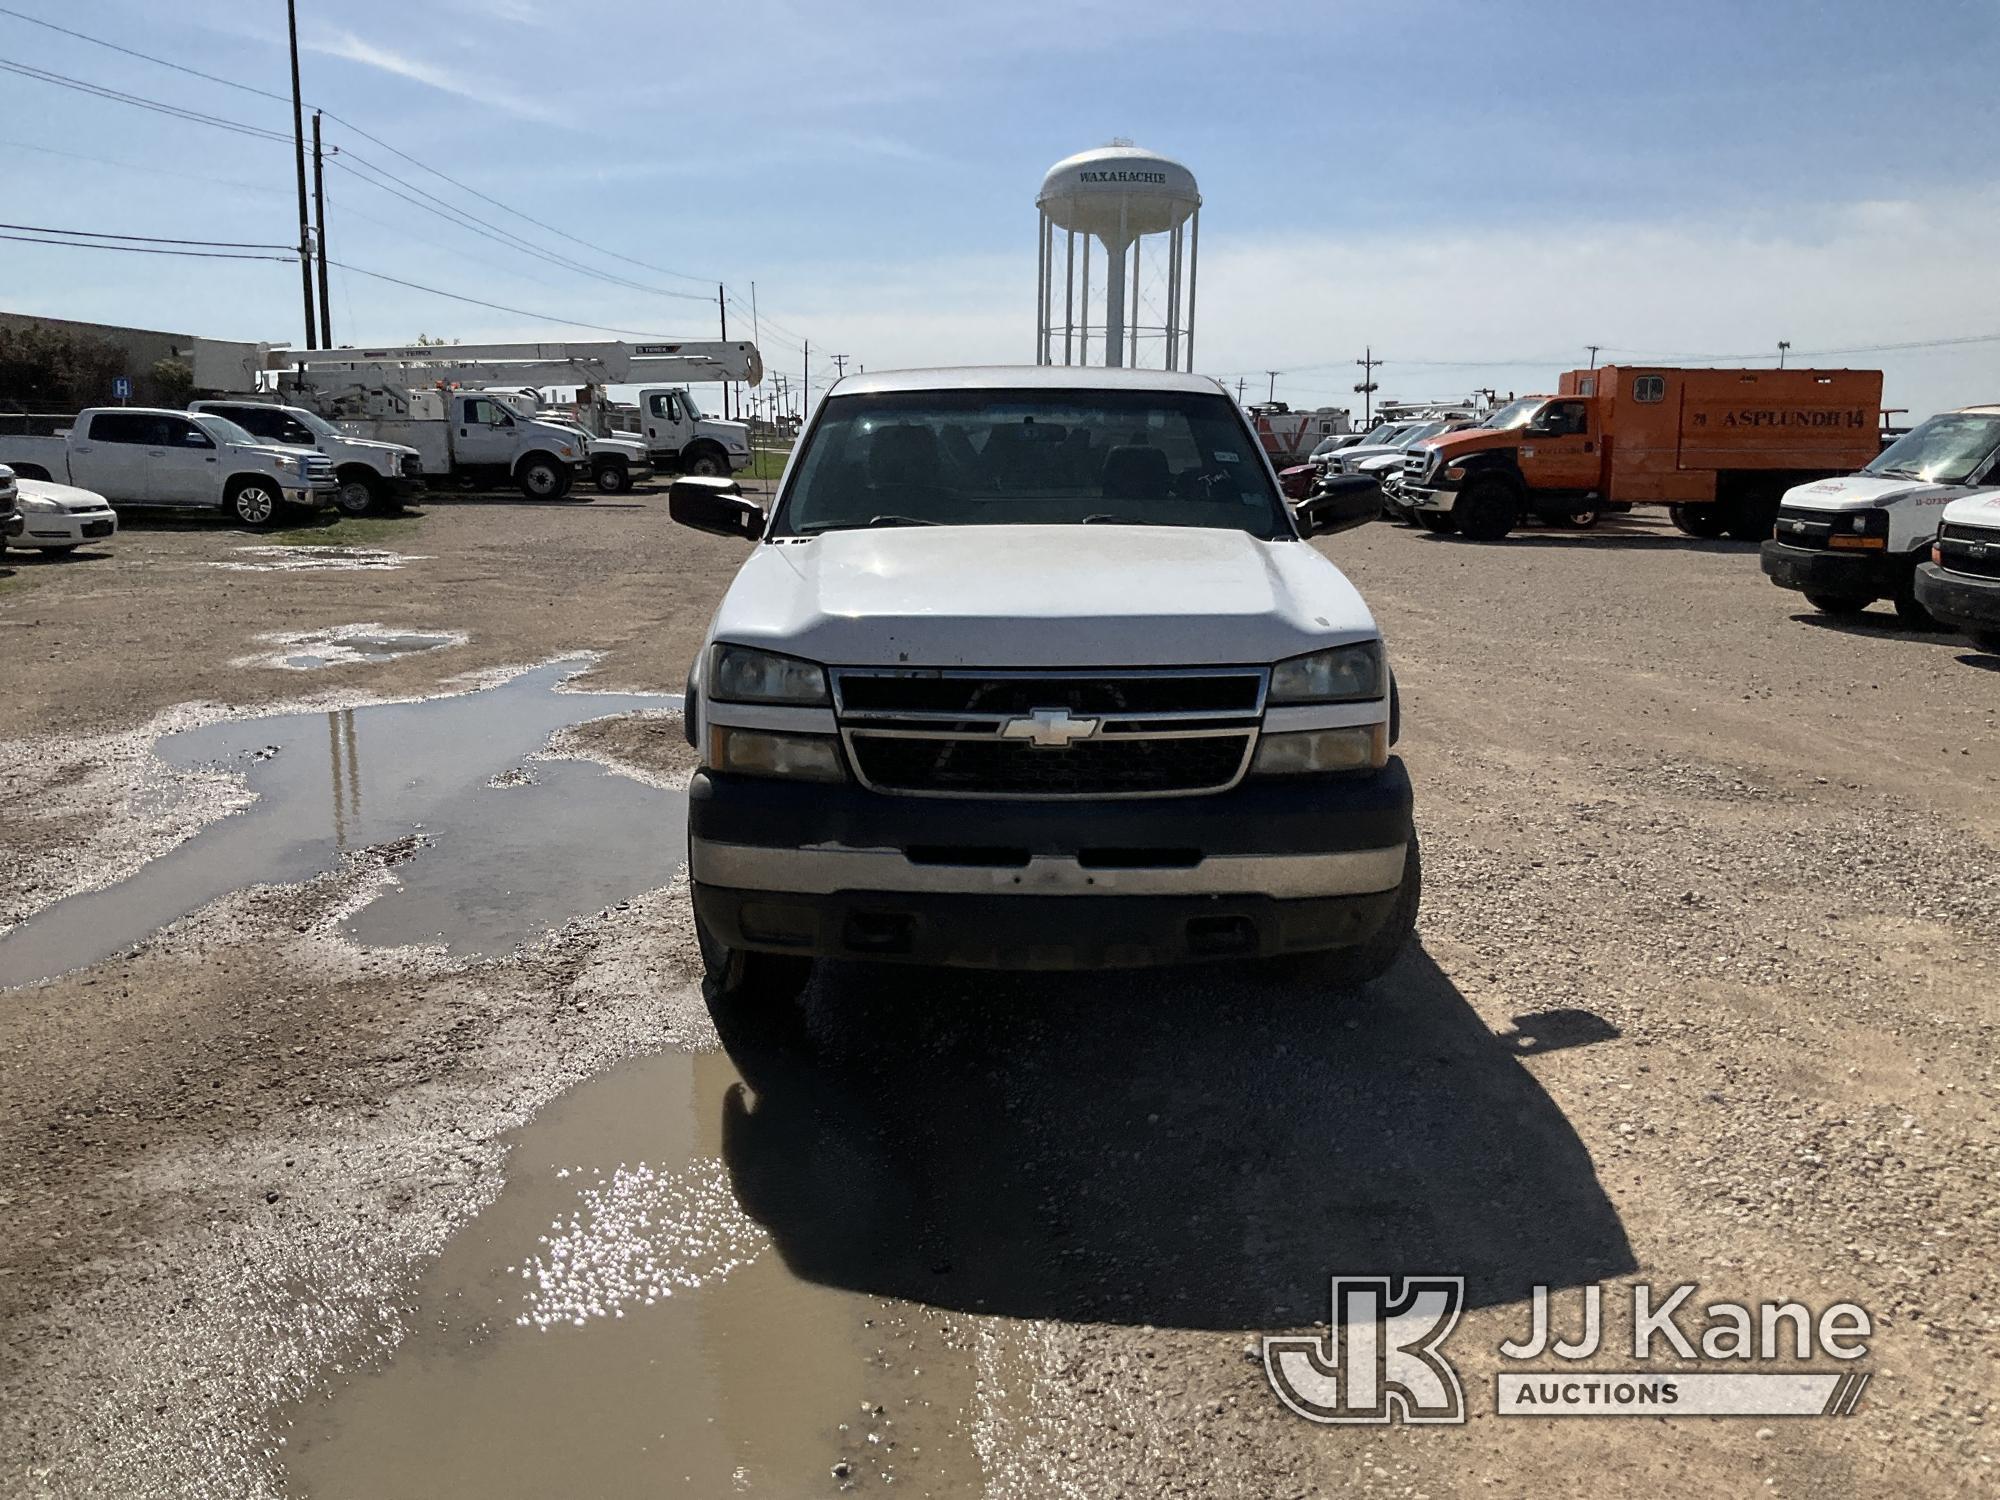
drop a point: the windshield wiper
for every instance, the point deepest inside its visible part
(864, 525)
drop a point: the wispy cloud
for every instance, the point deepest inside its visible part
(332, 42)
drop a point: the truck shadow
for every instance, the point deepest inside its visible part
(1195, 1148)
(1879, 623)
(1609, 537)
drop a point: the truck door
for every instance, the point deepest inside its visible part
(111, 457)
(482, 433)
(666, 422)
(185, 465)
(1561, 448)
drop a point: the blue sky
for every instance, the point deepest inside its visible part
(1477, 190)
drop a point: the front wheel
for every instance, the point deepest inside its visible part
(1838, 604)
(1487, 512)
(708, 463)
(1344, 969)
(543, 479)
(760, 985)
(612, 479)
(254, 502)
(1910, 609)
(356, 496)
(1985, 640)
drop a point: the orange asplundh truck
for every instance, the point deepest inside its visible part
(1718, 446)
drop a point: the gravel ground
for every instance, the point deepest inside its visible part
(1706, 992)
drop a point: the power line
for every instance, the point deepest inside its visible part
(156, 239)
(349, 124)
(518, 312)
(96, 41)
(133, 166)
(193, 116)
(285, 259)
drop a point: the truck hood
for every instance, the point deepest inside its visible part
(1040, 596)
(1471, 440)
(735, 436)
(1867, 491)
(370, 444)
(1978, 508)
(65, 496)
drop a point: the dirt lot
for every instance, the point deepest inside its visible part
(1706, 991)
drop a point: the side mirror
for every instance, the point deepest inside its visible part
(715, 505)
(1341, 503)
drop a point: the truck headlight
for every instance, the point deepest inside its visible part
(758, 752)
(1354, 748)
(566, 451)
(1345, 674)
(742, 674)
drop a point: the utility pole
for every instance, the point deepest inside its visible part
(722, 306)
(840, 366)
(319, 238)
(299, 155)
(1272, 394)
(1366, 390)
(806, 370)
(756, 326)
(1784, 346)
(1593, 348)
(1241, 383)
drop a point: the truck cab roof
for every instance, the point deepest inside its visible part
(1023, 377)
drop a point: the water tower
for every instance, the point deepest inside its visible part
(1118, 196)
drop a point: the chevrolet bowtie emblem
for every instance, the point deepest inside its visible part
(1049, 729)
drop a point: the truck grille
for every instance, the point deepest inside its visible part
(319, 471)
(412, 466)
(1968, 549)
(1050, 734)
(1797, 527)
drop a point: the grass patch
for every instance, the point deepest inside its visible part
(346, 531)
(769, 463)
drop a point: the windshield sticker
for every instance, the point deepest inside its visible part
(1227, 456)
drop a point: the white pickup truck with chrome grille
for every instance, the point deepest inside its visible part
(1034, 668)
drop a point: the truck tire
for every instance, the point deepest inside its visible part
(357, 494)
(1985, 640)
(1487, 509)
(1706, 520)
(253, 501)
(1909, 609)
(1751, 518)
(1443, 522)
(705, 461)
(1348, 969)
(612, 476)
(1838, 604)
(542, 478)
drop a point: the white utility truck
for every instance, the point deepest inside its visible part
(136, 455)
(1847, 542)
(426, 396)
(1960, 585)
(1034, 667)
(372, 476)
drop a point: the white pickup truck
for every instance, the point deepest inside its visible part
(135, 455)
(372, 476)
(1846, 542)
(1034, 667)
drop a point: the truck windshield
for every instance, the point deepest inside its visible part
(225, 431)
(1386, 432)
(1030, 457)
(317, 425)
(1516, 413)
(693, 411)
(1947, 449)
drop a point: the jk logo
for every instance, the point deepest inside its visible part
(1380, 1360)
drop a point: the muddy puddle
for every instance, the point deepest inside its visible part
(316, 559)
(480, 867)
(615, 1324)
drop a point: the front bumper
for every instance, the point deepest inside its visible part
(1267, 868)
(12, 523)
(1959, 599)
(1847, 575)
(64, 528)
